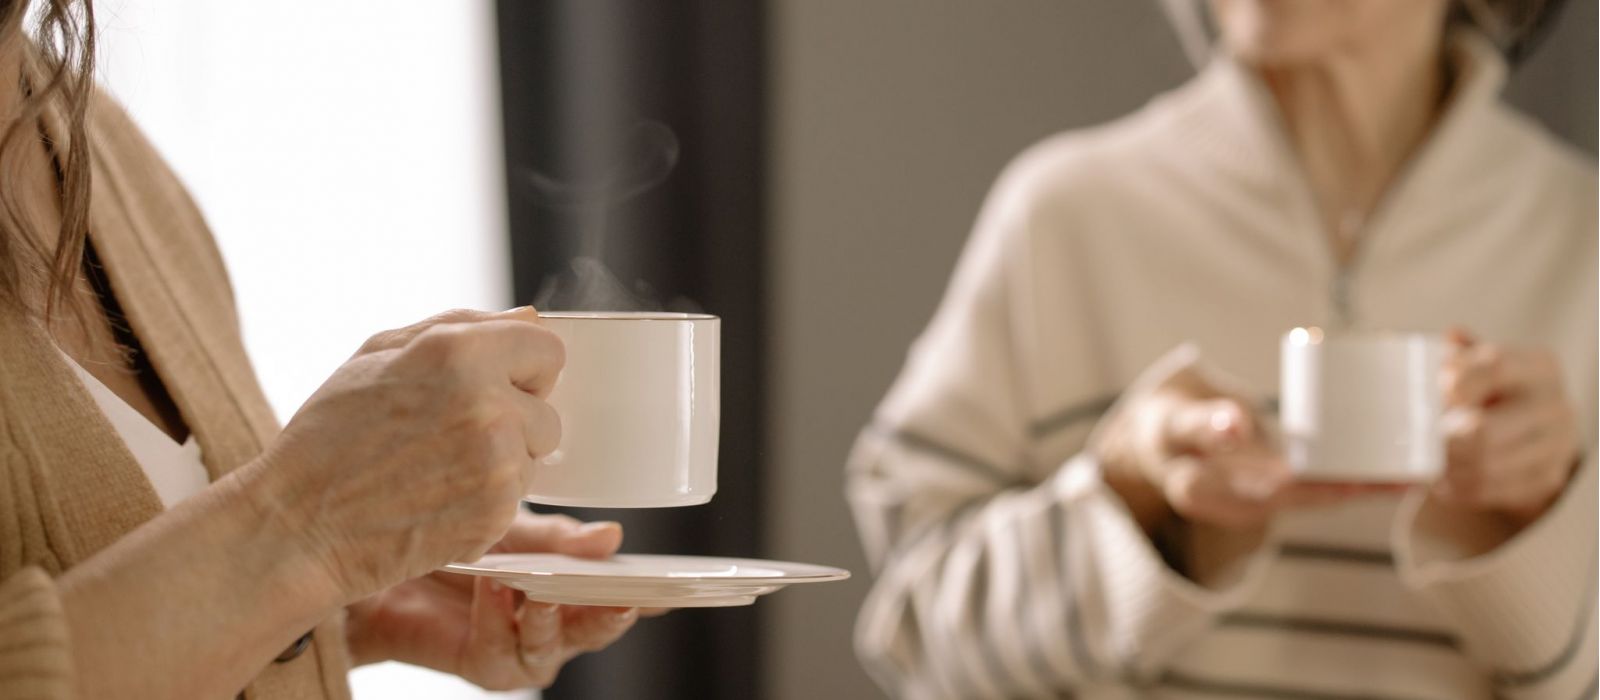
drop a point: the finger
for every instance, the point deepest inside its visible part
(586, 629)
(489, 657)
(530, 355)
(1508, 425)
(1471, 475)
(399, 337)
(1527, 374)
(541, 425)
(1471, 375)
(1526, 473)
(1460, 337)
(1464, 431)
(1207, 427)
(1255, 473)
(503, 349)
(1201, 493)
(1484, 374)
(539, 634)
(563, 535)
(654, 612)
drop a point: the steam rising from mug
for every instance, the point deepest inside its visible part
(648, 157)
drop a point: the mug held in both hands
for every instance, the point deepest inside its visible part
(1362, 407)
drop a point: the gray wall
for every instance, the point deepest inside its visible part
(891, 117)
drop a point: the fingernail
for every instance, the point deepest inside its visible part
(1225, 430)
(625, 615)
(541, 608)
(598, 526)
(496, 586)
(1222, 420)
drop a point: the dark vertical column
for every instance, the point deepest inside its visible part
(576, 75)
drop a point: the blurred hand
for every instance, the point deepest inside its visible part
(1183, 444)
(1511, 433)
(413, 453)
(486, 633)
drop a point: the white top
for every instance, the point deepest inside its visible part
(174, 470)
(1005, 567)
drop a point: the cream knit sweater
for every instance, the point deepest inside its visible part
(1005, 568)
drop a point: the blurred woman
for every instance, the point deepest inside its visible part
(1072, 488)
(159, 536)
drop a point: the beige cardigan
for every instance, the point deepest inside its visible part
(68, 485)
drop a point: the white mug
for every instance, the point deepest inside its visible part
(639, 402)
(1362, 407)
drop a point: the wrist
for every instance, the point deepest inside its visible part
(1143, 500)
(285, 521)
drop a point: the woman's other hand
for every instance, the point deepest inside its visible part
(1183, 444)
(1511, 432)
(487, 633)
(413, 454)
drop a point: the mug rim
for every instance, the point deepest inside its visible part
(627, 316)
(1310, 336)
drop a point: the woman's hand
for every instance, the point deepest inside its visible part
(484, 632)
(1512, 434)
(1182, 444)
(413, 453)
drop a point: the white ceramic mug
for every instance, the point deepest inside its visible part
(639, 402)
(1362, 407)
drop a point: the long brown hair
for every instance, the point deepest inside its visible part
(63, 53)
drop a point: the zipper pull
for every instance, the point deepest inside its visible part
(1343, 313)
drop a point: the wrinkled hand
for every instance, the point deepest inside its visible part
(414, 453)
(1185, 444)
(487, 633)
(1511, 432)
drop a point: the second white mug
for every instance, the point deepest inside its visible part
(1362, 407)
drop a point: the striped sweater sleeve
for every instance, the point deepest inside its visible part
(994, 577)
(35, 661)
(1525, 609)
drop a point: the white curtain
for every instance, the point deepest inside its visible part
(347, 155)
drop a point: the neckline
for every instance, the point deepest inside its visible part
(121, 413)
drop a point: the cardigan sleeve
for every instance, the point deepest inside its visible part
(1525, 609)
(994, 578)
(35, 659)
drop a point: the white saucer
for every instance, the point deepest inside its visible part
(645, 580)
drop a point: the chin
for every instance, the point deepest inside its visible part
(1273, 53)
(1259, 31)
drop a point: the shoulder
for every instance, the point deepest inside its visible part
(129, 169)
(1553, 184)
(1075, 174)
(1526, 153)
(122, 149)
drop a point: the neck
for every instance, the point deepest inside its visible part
(1355, 116)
